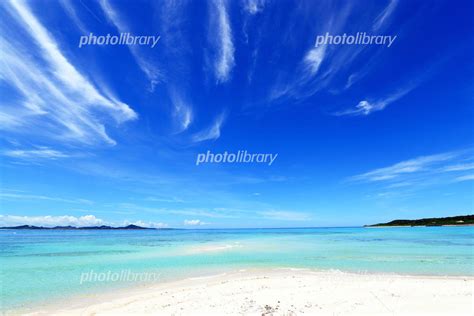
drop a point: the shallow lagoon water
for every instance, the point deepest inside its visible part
(39, 266)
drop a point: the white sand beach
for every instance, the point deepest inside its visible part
(285, 292)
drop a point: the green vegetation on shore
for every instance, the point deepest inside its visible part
(440, 221)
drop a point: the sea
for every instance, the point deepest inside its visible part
(42, 266)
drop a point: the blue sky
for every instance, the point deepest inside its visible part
(110, 134)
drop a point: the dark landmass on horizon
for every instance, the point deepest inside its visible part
(439, 221)
(461, 220)
(103, 227)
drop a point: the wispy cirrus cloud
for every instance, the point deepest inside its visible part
(253, 6)
(53, 97)
(385, 15)
(178, 53)
(72, 13)
(318, 65)
(26, 196)
(164, 199)
(399, 169)
(8, 194)
(40, 153)
(149, 68)
(322, 67)
(197, 212)
(10, 120)
(314, 58)
(212, 132)
(194, 212)
(444, 168)
(223, 46)
(459, 167)
(284, 215)
(182, 110)
(467, 177)
(365, 107)
(369, 106)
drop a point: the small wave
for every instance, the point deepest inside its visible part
(215, 248)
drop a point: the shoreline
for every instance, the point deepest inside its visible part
(278, 291)
(413, 226)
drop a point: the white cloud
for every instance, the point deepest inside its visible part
(56, 100)
(10, 121)
(193, 222)
(50, 221)
(253, 6)
(211, 133)
(182, 111)
(66, 220)
(146, 224)
(71, 12)
(22, 196)
(41, 152)
(365, 107)
(164, 199)
(385, 14)
(199, 212)
(464, 178)
(150, 70)
(319, 65)
(459, 167)
(314, 58)
(187, 211)
(405, 167)
(420, 172)
(285, 215)
(224, 59)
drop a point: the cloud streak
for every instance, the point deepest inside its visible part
(54, 97)
(150, 70)
(253, 7)
(39, 153)
(402, 168)
(468, 177)
(438, 169)
(384, 15)
(223, 42)
(314, 58)
(285, 215)
(365, 107)
(182, 111)
(22, 196)
(459, 167)
(211, 133)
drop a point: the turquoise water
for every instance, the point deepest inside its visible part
(40, 266)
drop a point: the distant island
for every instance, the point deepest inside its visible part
(462, 220)
(103, 227)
